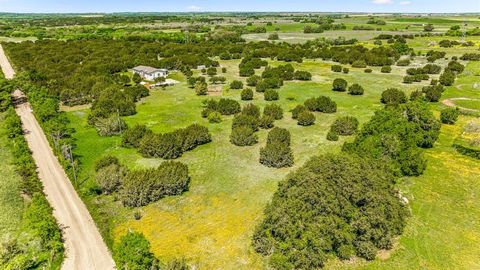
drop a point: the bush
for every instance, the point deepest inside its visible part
(236, 85)
(368, 70)
(132, 136)
(433, 93)
(345, 126)
(449, 115)
(105, 162)
(339, 85)
(201, 88)
(447, 78)
(266, 122)
(332, 136)
(393, 96)
(133, 253)
(270, 95)
(359, 64)
(253, 80)
(408, 79)
(345, 70)
(274, 111)
(228, 106)
(302, 75)
(355, 89)
(403, 62)
(142, 187)
(110, 178)
(214, 117)
(336, 68)
(432, 69)
(245, 120)
(113, 125)
(251, 109)
(386, 69)
(297, 110)
(277, 152)
(306, 118)
(416, 95)
(261, 87)
(247, 94)
(243, 136)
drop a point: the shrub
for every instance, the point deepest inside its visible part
(336, 68)
(386, 69)
(368, 70)
(306, 118)
(228, 106)
(261, 87)
(277, 152)
(251, 109)
(403, 62)
(408, 79)
(326, 105)
(432, 69)
(113, 125)
(266, 122)
(355, 89)
(345, 126)
(236, 85)
(274, 111)
(253, 80)
(393, 96)
(247, 94)
(201, 88)
(447, 78)
(270, 95)
(243, 136)
(340, 85)
(302, 75)
(297, 110)
(245, 120)
(141, 187)
(433, 93)
(415, 95)
(133, 136)
(359, 64)
(449, 115)
(214, 117)
(110, 178)
(345, 70)
(332, 136)
(133, 252)
(105, 162)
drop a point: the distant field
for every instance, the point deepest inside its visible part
(299, 37)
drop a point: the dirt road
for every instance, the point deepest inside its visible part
(5, 64)
(85, 248)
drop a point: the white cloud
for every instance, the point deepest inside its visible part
(194, 8)
(405, 3)
(382, 2)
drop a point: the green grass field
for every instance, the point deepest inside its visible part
(11, 204)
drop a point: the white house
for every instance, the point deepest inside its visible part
(150, 73)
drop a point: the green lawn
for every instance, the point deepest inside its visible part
(11, 204)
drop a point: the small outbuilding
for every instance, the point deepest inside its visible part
(150, 73)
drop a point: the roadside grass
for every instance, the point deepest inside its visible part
(11, 203)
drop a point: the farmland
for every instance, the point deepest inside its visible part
(212, 223)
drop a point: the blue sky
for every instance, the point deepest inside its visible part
(239, 5)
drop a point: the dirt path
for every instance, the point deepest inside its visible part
(5, 64)
(450, 102)
(85, 248)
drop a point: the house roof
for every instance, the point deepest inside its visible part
(147, 69)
